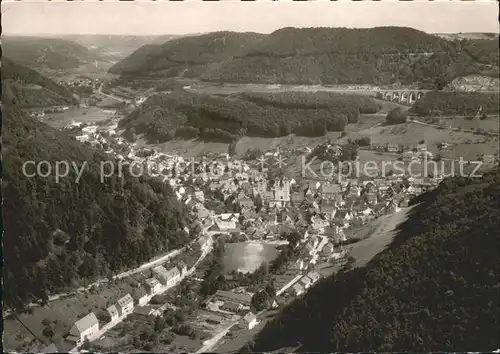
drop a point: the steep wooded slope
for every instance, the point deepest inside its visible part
(23, 86)
(380, 56)
(187, 55)
(51, 53)
(60, 234)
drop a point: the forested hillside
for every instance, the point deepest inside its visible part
(187, 55)
(51, 53)
(435, 289)
(381, 56)
(61, 234)
(23, 86)
(189, 115)
(482, 50)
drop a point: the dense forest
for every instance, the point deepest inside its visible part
(185, 54)
(62, 234)
(381, 56)
(437, 103)
(188, 115)
(51, 53)
(26, 87)
(482, 50)
(314, 100)
(435, 289)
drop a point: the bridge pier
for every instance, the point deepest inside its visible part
(404, 98)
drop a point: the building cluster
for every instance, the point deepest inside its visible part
(473, 83)
(94, 324)
(41, 112)
(408, 153)
(304, 283)
(257, 206)
(82, 82)
(419, 152)
(236, 301)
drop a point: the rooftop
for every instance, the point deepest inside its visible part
(86, 322)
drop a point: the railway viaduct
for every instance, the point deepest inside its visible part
(405, 97)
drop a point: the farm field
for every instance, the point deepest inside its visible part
(90, 70)
(489, 124)
(188, 148)
(77, 114)
(412, 134)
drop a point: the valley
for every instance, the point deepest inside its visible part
(237, 213)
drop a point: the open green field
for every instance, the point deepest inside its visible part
(188, 148)
(90, 70)
(410, 134)
(77, 114)
(490, 124)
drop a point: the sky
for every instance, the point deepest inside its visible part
(32, 17)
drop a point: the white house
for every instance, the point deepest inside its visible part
(296, 289)
(125, 305)
(141, 296)
(305, 282)
(367, 211)
(232, 306)
(85, 328)
(161, 274)
(248, 321)
(313, 276)
(113, 313)
(173, 276)
(297, 265)
(225, 224)
(152, 286)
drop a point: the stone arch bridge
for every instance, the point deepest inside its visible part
(406, 97)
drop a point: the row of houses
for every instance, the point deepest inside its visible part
(88, 327)
(237, 302)
(304, 283)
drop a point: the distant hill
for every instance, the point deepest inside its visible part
(472, 35)
(26, 87)
(190, 55)
(435, 289)
(42, 52)
(382, 55)
(189, 115)
(116, 47)
(59, 234)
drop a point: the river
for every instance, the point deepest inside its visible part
(248, 256)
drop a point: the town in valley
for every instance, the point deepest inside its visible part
(259, 149)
